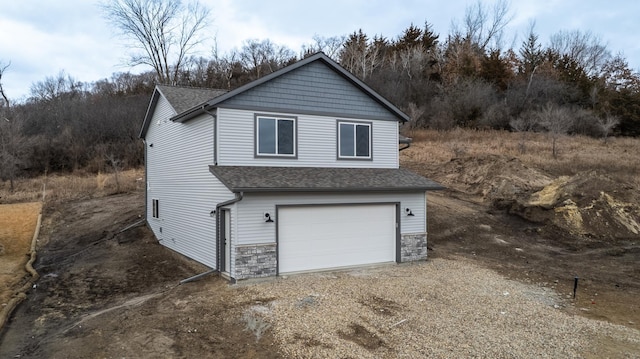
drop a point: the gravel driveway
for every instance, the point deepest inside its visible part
(436, 309)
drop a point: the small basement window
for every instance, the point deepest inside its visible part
(354, 140)
(155, 210)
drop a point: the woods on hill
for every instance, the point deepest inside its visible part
(570, 84)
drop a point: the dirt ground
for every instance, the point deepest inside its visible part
(108, 294)
(608, 275)
(538, 228)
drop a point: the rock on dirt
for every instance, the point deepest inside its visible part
(590, 204)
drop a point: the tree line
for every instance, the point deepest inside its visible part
(468, 78)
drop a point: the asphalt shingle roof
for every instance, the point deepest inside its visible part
(184, 98)
(319, 179)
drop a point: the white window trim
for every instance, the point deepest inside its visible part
(355, 156)
(277, 118)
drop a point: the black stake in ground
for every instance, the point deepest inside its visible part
(575, 286)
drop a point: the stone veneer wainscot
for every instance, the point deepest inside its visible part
(413, 247)
(255, 261)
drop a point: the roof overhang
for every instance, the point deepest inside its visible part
(248, 179)
(149, 114)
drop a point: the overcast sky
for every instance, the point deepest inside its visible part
(43, 37)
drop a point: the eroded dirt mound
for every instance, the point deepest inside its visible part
(493, 178)
(590, 204)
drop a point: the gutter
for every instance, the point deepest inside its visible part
(402, 140)
(215, 134)
(196, 277)
(189, 114)
(146, 183)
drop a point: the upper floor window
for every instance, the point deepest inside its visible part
(354, 140)
(276, 136)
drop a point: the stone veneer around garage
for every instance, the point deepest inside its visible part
(255, 261)
(413, 247)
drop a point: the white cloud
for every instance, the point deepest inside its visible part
(46, 36)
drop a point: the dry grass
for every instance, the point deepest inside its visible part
(618, 158)
(63, 187)
(17, 226)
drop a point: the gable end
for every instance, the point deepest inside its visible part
(313, 89)
(291, 94)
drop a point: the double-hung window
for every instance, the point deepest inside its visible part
(354, 140)
(276, 136)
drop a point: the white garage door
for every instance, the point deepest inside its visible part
(321, 237)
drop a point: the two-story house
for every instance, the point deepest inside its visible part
(296, 171)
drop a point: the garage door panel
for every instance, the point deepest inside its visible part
(322, 237)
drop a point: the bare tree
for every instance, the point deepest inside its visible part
(607, 124)
(413, 61)
(55, 87)
(523, 124)
(330, 46)
(117, 166)
(9, 131)
(415, 112)
(223, 67)
(484, 26)
(13, 144)
(584, 48)
(6, 103)
(557, 121)
(13, 148)
(264, 57)
(361, 56)
(618, 76)
(164, 31)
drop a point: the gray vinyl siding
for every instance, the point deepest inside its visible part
(178, 176)
(252, 229)
(314, 88)
(317, 141)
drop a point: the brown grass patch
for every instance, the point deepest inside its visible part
(17, 227)
(63, 187)
(617, 158)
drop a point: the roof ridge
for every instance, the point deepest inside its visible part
(192, 87)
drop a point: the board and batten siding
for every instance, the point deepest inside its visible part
(251, 227)
(178, 159)
(316, 137)
(315, 89)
